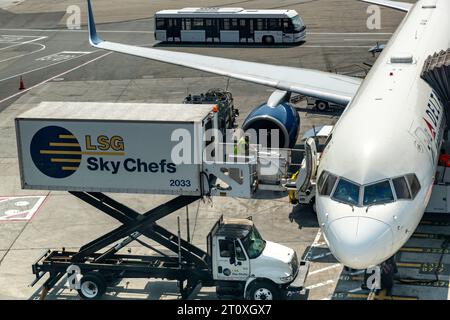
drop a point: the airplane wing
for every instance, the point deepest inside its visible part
(402, 6)
(317, 84)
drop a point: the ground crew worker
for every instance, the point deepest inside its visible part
(444, 159)
(241, 147)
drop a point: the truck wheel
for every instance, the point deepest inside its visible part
(92, 286)
(263, 290)
(322, 106)
(268, 40)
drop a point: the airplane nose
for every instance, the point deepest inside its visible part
(360, 242)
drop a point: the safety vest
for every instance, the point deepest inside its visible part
(444, 160)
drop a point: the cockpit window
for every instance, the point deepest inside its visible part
(414, 184)
(347, 192)
(378, 193)
(321, 180)
(328, 186)
(401, 188)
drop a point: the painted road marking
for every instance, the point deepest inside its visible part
(323, 255)
(10, 38)
(337, 265)
(380, 296)
(436, 236)
(435, 223)
(63, 56)
(42, 47)
(55, 77)
(425, 250)
(22, 43)
(40, 68)
(320, 284)
(147, 31)
(19, 208)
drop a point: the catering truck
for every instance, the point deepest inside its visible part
(91, 148)
(114, 147)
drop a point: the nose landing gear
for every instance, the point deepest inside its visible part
(381, 277)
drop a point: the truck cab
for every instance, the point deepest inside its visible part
(244, 264)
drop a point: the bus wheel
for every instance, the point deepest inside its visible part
(268, 40)
(322, 105)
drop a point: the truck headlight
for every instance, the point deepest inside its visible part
(287, 279)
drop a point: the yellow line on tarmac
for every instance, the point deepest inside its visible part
(410, 249)
(409, 265)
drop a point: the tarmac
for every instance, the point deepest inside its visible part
(58, 64)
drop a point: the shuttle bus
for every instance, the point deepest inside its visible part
(229, 25)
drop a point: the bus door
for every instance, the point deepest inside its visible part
(246, 30)
(212, 32)
(173, 29)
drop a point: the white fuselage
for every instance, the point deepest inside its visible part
(393, 127)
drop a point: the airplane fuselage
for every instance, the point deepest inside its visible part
(393, 128)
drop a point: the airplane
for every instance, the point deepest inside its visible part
(377, 171)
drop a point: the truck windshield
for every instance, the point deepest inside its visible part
(253, 243)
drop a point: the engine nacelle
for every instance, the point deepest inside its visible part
(282, 117)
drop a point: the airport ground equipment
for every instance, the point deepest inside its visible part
(238, 262)
(88, 149)
(322, 105)
(227, 113)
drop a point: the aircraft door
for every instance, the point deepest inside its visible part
(232, 261)
(309, 166)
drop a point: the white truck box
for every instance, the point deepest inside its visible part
(112, 147)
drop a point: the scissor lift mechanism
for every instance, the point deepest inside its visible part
(192, 264)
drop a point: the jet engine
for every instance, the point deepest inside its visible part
(276, 114)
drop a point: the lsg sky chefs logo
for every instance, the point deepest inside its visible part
(57, 153)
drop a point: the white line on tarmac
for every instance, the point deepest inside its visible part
(321, 256)
(57, 76)
(314, 244)
(146, 31)
(22, 43)
(318, 46)
(354, 290)
(349, 33)
(41, 68)
(26, 54)
(81, 30)
(337, 265)
(320, 284)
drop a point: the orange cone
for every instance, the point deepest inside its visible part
(21, 84)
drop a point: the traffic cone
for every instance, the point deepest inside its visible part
(21, 84)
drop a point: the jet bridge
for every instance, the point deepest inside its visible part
(436, 72)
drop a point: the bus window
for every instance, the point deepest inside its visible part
(274, 24)
(226, 24)
(260, 24)
(187, 24)
(160, 25)
(234, 24)
(208, 22)
(197, 24)
(242, 22)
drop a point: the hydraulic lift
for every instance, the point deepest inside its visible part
(192, 264)
(99, 264)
